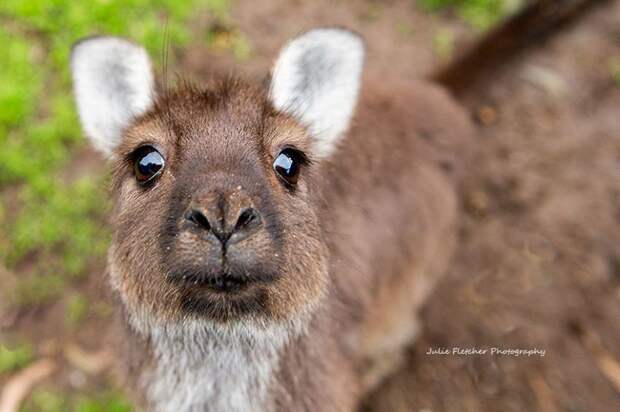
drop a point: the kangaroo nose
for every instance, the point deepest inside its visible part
(228, 220)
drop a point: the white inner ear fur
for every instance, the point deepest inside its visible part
(317, 79)
(113, 83)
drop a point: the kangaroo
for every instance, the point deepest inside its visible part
(267, 251)
(272, 244)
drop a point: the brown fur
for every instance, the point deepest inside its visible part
(359, 243)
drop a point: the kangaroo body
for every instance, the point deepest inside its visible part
(388, 217)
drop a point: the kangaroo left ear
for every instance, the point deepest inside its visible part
(113, 84)
(317, 79)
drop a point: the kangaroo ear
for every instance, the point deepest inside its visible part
(113, 83)
(317, 79)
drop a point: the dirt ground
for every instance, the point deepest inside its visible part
(538, 265)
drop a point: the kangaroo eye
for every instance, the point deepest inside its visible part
(148, 163)
(288, 164)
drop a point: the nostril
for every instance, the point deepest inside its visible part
(248, 218)
(198, 218)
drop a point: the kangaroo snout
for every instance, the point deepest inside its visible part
(220, 242)
(227, 218)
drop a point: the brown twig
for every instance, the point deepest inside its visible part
(93, 363)
(606, 363)
(20, 385)
(544, 394)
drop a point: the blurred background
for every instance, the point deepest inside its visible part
(539, 262)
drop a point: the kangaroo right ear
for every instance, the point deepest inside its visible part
(317, 79)
(113, 83)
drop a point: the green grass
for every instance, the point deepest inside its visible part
(228, 39)
(51, 401)
(76, 310)
(12, 359)
(443, 44)
(480, 14)
(50, 221)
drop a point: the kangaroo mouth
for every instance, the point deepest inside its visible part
(223, 292)
(223, 296)
(221, 283)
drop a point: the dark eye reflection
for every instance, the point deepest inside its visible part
(148, 163)
(287, 165)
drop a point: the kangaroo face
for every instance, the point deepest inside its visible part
(216, 188)
(215, 210)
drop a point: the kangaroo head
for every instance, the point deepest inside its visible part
(216, 189)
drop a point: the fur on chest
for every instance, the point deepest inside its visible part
(202, 367)
(226, 380)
